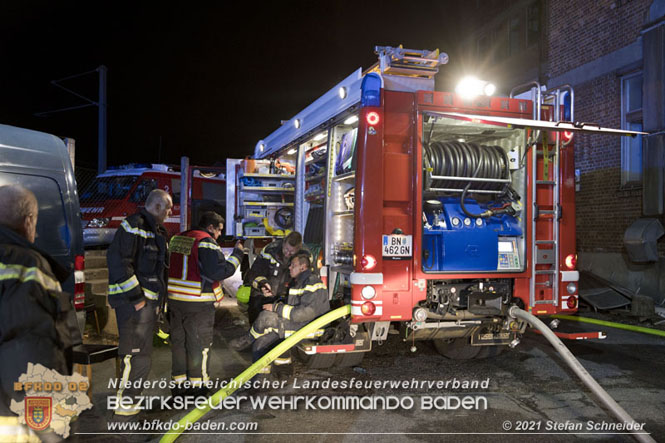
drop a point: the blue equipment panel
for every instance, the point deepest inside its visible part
(464, 243)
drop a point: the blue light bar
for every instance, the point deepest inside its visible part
(371, 90)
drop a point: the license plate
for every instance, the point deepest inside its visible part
(492, 338)
(397, 246)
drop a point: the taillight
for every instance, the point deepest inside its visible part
(79, 282)
(373, 118)
(571, 261)
(368, 308)
(367, 262)
(572, 303)
(79, 263)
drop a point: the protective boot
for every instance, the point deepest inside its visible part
(241, 343)
(284, 372)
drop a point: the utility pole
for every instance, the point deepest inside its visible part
(184, 193)
(101, 104)
(101, 121)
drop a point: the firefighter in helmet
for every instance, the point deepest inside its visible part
(197, 269)
(307, 299)
(269, 273)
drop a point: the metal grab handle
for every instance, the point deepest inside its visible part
(525, 87)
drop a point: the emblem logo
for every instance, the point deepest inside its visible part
(38, 412)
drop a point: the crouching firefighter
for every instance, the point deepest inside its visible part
(307, 299)
(197, 268)
(269, 274)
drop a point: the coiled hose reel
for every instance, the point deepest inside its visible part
(461, 159)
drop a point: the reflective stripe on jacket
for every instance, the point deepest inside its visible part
(137, 258)
(34, 315)
(307, 299)
(198, 266)
(271, 267)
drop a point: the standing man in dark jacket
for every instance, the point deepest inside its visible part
(137, 259)
(197, 269)
(269, 273)
(307, 299)
(32, 306)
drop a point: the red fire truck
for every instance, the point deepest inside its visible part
(122, 190)
(434, 212)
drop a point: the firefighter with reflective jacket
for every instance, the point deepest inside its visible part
(307, 299)
(269, 274)
(197, 269)
(33, 309)
(137, 259)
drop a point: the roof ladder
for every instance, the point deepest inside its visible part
(408, 62)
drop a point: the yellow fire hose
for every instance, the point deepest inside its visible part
(250, 372)
(610, 324)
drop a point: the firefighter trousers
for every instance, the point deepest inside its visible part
(192, 326)
(135, 330)
(255, 304)
(268, 330)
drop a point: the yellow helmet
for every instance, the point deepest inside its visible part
(243, 294)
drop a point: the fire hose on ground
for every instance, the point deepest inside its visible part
(611, 324)
(607, 401)
(617, 411)
(250, 372)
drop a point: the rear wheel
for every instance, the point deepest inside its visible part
(490, 351)
(461, 349)
(456, 348)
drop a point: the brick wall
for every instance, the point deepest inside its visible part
(578, 35)
(584, 30)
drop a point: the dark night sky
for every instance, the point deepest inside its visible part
(211, 81)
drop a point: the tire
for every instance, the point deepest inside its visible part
(461, 349)
(490, 351)
(456, 348)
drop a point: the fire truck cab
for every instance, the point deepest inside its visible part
(433, 212)
(122, 191)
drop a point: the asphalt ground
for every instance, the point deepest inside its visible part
(530, 394)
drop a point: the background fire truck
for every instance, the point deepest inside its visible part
(433, 212)
(121, 191)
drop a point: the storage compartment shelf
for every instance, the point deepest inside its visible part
(315, 177)
(265, 204)
(266, 189)
(314, 195)
(257, 175)
(315, 160)
(345, 176)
